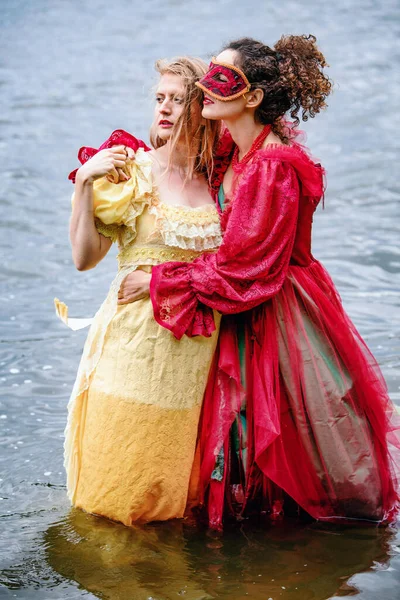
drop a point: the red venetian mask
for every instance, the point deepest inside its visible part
(224, 81)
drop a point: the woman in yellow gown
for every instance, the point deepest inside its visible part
(134, 410)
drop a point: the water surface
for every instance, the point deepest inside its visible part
(70, 73)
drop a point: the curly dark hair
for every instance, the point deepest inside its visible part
(290, 75)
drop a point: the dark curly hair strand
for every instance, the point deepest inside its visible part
(290, 75)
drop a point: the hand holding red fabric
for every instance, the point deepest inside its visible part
(118, 137)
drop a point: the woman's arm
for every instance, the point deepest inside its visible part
(251, 264)
(88, 246)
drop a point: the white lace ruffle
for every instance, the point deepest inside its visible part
(141, 180)
(188, 228)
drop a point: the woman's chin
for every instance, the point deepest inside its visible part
(164, 134)
(209, 112)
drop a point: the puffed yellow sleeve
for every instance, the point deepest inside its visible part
(118, 204)
(112, 201)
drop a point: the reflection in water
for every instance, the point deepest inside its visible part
(163, 561)
(114, 561)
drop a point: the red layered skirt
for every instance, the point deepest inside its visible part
(296, 415)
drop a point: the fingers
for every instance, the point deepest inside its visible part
(110, 163)
(119, 157)
(125, 301)
(122, 176)
(116, 173)
(121, 291)
(118, 163)
(123, 152)
(117, 152)
(128, 299)
(131, 293)
(131, 298)
(118, 149)
(126, 150)
(113, 176)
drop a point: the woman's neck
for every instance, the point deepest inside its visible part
(244, 130)
(176, 159)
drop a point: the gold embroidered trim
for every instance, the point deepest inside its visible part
(186, 214)
(221, 98)
(234, 96)
(143, 255)
(232, 67)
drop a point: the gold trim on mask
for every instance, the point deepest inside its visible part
(233, 68)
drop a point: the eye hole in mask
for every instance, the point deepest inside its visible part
(224, 81)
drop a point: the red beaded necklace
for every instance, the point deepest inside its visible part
(256, 145)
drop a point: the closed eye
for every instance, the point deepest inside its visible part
(220, 77)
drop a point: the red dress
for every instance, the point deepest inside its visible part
(315, 427)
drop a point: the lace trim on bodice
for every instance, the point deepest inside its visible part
(153, 255)
(111, 231)
(186, 227)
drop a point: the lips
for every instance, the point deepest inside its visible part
(165, 124)
(207, 101)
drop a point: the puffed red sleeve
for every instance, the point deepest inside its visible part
(249, 267)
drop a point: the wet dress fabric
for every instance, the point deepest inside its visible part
(134, 410)
(296, 415)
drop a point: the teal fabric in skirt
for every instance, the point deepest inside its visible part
(238, 431)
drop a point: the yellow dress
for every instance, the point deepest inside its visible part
(134, 410)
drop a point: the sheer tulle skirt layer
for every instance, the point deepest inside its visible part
(314, 426)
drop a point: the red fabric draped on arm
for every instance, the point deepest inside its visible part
(251, 264)
(119, 137)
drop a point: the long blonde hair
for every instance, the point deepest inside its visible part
(200, 144)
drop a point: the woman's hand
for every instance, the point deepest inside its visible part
(104, 163)
(122, 176)
(134, 287)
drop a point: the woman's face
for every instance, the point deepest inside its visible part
(218, 109)
(170, 104)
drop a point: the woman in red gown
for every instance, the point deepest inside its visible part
(296, 413)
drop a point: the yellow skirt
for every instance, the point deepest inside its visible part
(133, 415)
